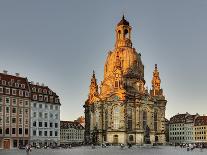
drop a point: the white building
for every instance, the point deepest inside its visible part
(71, 133)
(181, 128)
(45, 116)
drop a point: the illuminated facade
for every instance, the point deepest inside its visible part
(123, 110)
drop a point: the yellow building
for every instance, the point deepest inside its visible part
(200, 129)
(124, 111)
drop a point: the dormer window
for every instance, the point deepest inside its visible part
(56, 100)
(3, 82)
(33, 89)
(50, 92)
(23, 86)
(39, 90)
(9, 83)
(17, 85)
(45, 91)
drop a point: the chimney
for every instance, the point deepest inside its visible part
(43, 84)
(17, 74)
(32, 82)
(5, 71)
(37, 83)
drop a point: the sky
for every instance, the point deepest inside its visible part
(60, 42)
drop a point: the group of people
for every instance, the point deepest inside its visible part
(191, 147)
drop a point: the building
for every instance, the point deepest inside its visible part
(200, 129)
(167, 130)
(45, 116)
(29, 113)
(181, 128)
(124, 110)
(71, 133)
(14, 110)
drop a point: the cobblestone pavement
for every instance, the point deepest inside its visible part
(111, 150)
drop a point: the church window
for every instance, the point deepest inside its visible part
(126, 34)
(144, 119)
(97, 118)
(155, 120)
(116, 84)
(129, 118)
(116, 116)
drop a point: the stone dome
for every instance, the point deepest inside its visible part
(130, 63)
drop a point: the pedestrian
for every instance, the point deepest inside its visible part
(28, 149)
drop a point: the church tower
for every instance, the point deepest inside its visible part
(156, 90)
(93, 90)
(123, 34)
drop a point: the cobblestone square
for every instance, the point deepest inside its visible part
(112, 150)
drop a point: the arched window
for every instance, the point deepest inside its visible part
(126, 33)
(97, 118)
(119, 34)
(155, 120)
(144, 119)
(129, 118)
(116, 115)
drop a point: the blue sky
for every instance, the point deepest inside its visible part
(60, 42)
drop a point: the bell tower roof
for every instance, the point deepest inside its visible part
(123, 21)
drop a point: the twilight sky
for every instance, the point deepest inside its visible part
(60, 42)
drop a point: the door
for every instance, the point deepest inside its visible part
(116, 139)
(6, 143)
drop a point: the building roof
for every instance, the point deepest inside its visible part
(43, 90)
(183, 118)
(123, 22)
(70, 124)
(17, 82)
(201, 120)
(13, 81)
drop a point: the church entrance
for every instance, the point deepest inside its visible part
(156, 139)
(147, 135)
(116, 139)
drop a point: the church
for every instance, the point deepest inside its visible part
(122, 109)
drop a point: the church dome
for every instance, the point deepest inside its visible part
(130, 63)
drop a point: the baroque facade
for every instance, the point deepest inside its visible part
(121, 109)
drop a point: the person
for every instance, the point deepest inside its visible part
(28, 148)
(122, 146)
(129, 145)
